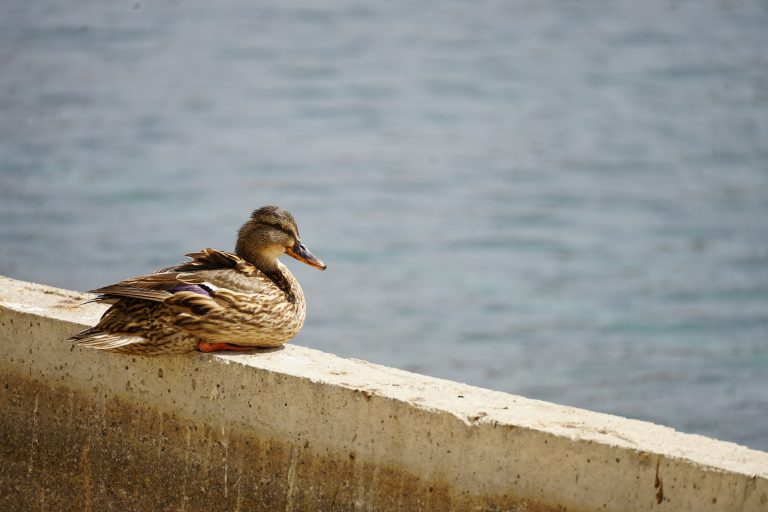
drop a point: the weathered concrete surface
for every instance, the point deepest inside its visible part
(297, 429)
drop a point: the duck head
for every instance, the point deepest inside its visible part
(270, 232)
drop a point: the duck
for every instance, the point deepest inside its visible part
(218, 301)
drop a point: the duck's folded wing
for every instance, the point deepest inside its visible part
(199, 275)
(118, 290)
(212, 259)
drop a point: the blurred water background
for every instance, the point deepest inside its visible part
(563, 200)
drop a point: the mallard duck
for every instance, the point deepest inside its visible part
(217, 301)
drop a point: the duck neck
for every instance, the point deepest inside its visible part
(269, 266)
(283, 280)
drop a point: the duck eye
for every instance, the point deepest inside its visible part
(283, 230)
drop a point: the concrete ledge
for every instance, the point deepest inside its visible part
(298, 429)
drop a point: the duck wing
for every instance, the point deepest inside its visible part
(209, 270)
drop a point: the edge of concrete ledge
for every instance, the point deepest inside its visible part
(476, 441)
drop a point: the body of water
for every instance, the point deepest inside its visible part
(563, 200)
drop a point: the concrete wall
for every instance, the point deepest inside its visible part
(298, 429)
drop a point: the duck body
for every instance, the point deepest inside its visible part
(216, 301)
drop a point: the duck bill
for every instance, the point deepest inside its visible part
(301, 253)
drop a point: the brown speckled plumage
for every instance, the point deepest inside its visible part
(248, 299)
